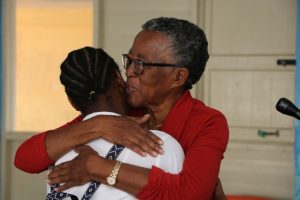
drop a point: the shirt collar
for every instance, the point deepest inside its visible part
(94, 114)
(176, 119)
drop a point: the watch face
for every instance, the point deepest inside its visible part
(111, 180)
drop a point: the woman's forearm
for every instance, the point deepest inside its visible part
(31, 156)
(60, 141)
(115, 129)
(131, 178)
(89, 166)
(45, 148)
(38, 152)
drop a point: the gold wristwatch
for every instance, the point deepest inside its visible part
(112, 178)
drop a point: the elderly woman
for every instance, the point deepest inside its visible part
(167, 57)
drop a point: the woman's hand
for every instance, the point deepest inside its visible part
(126, 131)
(75, 172)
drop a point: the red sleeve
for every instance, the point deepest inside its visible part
(200, 169)
(31, 156)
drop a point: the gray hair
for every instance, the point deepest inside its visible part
(188, 42)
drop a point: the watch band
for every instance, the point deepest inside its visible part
(112, 178)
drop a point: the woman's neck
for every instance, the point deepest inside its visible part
(158, 113)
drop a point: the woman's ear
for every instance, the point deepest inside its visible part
(180, 76)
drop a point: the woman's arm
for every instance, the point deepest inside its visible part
(31, 156)
(201, 167)
(197, 180)
(36, 153)
(115, 129)
(88, 166)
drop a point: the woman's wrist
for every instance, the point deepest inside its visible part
(104, 126)
(90, 130)
(100, 126)
(99, 168)
(70, 137)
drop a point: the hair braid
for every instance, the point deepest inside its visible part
(87, 71)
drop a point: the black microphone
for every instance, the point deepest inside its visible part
(286, 107)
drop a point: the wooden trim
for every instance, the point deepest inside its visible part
(8, 8)
(98, 20)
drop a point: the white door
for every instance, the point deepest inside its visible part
(244, 81)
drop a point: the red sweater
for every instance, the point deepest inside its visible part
(202, 133)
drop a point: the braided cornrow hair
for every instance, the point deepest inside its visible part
(86, 72)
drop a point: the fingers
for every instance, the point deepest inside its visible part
(82, 148)
(127, 132)
(155, 138)
(62, 174)
(64, 187)
(151, 144)
(137, 149)
(58, 174)
(64, 181)
(79, 149)
(71, 173)
(145, 143)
